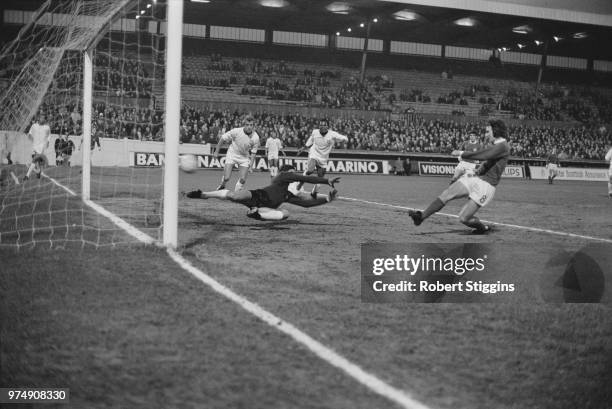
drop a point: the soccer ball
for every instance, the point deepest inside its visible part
(188, 163)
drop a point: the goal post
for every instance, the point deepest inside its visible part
(87, 106)
(174, 41)
(96, 69)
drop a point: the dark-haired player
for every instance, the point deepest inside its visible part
(263, 203)
(321, 143)
(244, 145)
(480, 187)
(467, 165)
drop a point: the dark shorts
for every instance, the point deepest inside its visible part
(260, 198)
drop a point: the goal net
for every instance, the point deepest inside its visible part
(42, 74)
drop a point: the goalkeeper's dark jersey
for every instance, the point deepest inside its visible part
(278, 191)
(496, 159)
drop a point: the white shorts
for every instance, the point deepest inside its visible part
(465, 167)
(321, 162)
(273, 157)
(235, 159)
(480, 191)
(552, 166)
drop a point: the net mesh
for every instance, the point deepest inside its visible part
(42, 73)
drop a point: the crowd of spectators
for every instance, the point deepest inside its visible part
(406, 135)
(351, 94)
(558, 104)
(377, 93)
(122, 76)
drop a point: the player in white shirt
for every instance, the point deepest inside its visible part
(321, 143)
(40, 134)
(274, 145)
(467, 166)
(244, 145)
(609, 159)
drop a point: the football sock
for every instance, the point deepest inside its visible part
(301, 184)
(610, 188)
(30, 169)
(271, 214)
(434, 207)
(218, 194)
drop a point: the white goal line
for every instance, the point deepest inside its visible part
(514, 226)
(369, 380)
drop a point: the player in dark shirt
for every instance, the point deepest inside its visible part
(480, 187)
(263, 203)
(58, 147)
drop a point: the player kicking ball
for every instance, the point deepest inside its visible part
(480, 187)
(263, 203)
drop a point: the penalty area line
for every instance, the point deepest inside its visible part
(372, 382)
(514, 226)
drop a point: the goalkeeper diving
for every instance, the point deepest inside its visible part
(263, 203)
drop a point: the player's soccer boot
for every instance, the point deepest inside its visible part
(333, 195)
(221, 186)
(26, 178)
(194, 194)
(486, 230)
(416, 216)
(38, 175)
(253, 213)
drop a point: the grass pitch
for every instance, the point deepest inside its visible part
(121, 325)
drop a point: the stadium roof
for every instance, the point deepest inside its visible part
(486, 23)
(583, 28)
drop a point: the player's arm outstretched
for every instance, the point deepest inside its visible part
(490, 152)
(306, 200)
(295, 177)
(340, 138)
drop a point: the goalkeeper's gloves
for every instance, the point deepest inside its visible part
(333, 181)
